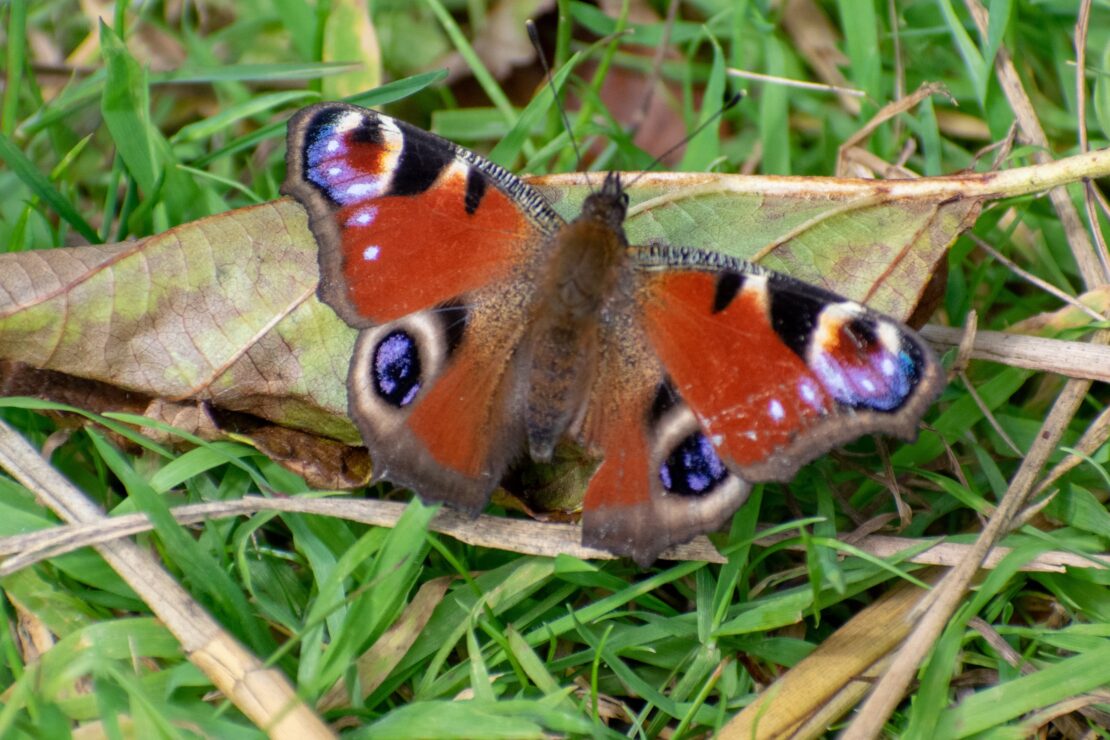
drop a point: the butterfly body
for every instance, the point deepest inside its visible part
(587, 258)
(491, 328)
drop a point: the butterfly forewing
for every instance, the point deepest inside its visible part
(405, 219)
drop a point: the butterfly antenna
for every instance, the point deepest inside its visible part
(729, 105)
(534, 36)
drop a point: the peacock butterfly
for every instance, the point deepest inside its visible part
(491, 327)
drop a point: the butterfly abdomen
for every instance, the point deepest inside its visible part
(584, 268)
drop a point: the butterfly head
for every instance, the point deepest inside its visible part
(608, 205)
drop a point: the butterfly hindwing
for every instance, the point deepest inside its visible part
(797, 370)
(435, 403)
(660, 481)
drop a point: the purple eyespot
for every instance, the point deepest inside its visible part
(692, 468)
(329, 155)
(397, 371)
(879, 376)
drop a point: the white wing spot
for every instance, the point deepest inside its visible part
(868, 385)
(778, 413)
(371, 253)
(717, 440)
(349, 121)
(364, 216)
(333, 145)
(360, 189)
(888, 366)
(334, 171)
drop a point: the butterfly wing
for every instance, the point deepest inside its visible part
(797, 370)
(436, 394)
(427, 248)
(660, 481)
(405, 219)
(744, 376)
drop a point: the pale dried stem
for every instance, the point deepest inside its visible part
(988, 414)
(1056, 713)
(984, 186)
(1033, 725)
(966, 345)
(1079, 360)
(890, 481)
(805, 700)
(1094, 437)
(1001, 149)
(884, 114)
(899, 65)
(875, 163)
(1080, 42)
(789, 82)
(262, 694)
(815, 38)
(516, 535)
(1081, 27)
(641, 112)
(1102, 203)
(996, 641)
(1029, 513)
(389, 648)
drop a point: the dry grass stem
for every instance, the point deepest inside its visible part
(1080, 360)
(1080, 41)
(818, 42)
(933, 613)
(516, 535)
(984, 186)
(835, 675)
(261, 693)
(1094, 437)
(884, 114)
(966, 345)
(787, 82)
(876, 164)
(1089, 265)
(985, 410)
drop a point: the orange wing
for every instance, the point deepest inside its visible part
(779, 371)
(660, 481)
(427, 248)
(406, 220)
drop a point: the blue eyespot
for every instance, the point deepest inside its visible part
(397, 370)
(692, 468)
